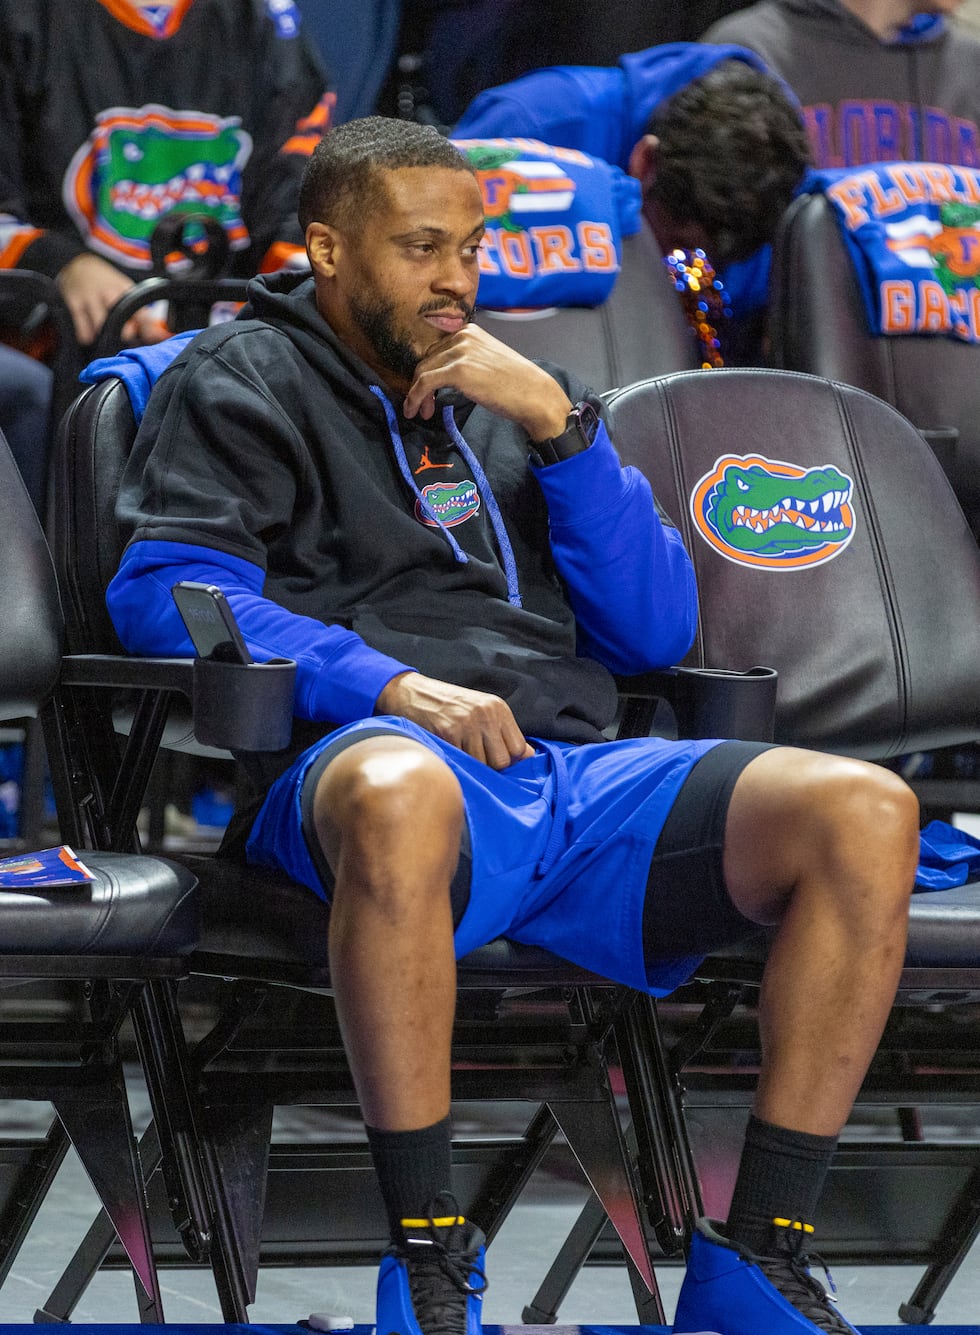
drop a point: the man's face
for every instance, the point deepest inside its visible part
(408, 278)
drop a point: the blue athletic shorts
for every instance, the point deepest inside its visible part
(558, 849)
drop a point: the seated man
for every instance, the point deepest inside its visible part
(441, 534)
(714, 139)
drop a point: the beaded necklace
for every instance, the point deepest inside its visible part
(704, 299)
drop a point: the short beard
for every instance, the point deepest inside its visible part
(393, 347)
(394, 350)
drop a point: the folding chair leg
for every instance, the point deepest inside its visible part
(237, 1141)
(102, 1134)
(665, 1160)
(25, 1199)
(542, 1310)
(79, 1273)
(193, 1183)
(598, 1145)
(493, 1206)
(94, 1247)
(960, 1229)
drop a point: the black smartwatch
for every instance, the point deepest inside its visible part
(581, 426)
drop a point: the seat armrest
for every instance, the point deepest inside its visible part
(122, 671)
(235, 706)
(706, 702)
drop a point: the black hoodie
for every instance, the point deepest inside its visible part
(270, 462)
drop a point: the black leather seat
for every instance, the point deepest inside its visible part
(818, 325)
(99, 950)
(878, 654)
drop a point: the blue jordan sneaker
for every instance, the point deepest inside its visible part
(434, 1283)
(729, 1290)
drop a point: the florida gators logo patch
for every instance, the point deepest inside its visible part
(764, 512)
(451, 504)
(140, 164)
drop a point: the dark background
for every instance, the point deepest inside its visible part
(448, 50)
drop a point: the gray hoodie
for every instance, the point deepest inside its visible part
(865, 100)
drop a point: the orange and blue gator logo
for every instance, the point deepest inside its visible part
(765, 512)
(453, 503)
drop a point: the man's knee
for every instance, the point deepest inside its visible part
(389, 796)
(806, 816)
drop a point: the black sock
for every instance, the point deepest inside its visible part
(780, 1178)
(413, 1167)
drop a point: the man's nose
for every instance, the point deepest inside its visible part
(455, 276)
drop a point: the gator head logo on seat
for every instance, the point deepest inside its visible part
(139, 165)
(764, 512)
(452, 504)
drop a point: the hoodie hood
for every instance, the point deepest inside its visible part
(601, 110)
(652, 77)
(287, 301)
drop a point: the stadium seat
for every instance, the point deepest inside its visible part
(870, 613)
(76, 962)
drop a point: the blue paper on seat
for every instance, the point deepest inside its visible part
(947, 857)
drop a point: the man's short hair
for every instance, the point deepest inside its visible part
(342, 183)
(733, 150)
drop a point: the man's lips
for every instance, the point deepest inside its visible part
(449, 322)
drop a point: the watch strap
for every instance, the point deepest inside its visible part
(580, 429)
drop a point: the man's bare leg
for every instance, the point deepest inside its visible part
(827, 847)
(389, 814)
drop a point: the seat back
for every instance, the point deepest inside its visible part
(93, 443)
(638, 332)
(818, 325)
(30, 610)
(873, 623)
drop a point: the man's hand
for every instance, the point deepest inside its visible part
(493, 375)
(91, 287)
(479, 724)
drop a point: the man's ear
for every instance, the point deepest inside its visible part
(322, 243)
(643, 160)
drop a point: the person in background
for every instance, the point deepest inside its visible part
(714, 138)
(358, 44)
(879, 80)
(117, 113)
(25, 409)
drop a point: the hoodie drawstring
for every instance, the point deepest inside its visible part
(482, 483)
(406, 472)
(493, 509)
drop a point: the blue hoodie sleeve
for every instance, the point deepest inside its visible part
(338, 677)
(628, 577)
